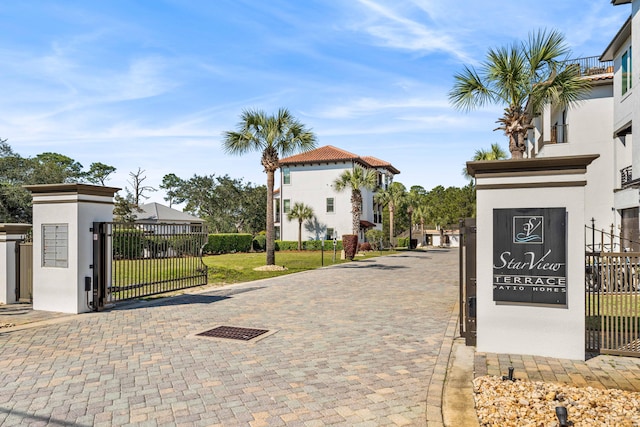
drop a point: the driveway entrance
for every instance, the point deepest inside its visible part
(362, 343)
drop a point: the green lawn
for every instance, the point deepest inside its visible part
(236, 268)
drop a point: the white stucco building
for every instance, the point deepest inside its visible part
(309, 178)
(586, 128)
(623, 51)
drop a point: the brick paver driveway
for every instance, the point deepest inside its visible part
(355, 344)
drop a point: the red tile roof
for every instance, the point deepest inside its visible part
(329, 153)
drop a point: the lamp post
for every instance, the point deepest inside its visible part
(410, 212)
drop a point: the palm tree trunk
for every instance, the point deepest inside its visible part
(271, 235)
(391, 212)
(300, 234)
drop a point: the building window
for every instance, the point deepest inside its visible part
(626, 71)
(286, 206)
(329, 204)
(277, 212)
(286, 176)
(277, 232)
(330, 233)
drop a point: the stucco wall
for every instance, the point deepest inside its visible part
(312, 185)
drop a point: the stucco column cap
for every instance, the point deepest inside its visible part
(530, 166)
(73, 188)
(14, 228)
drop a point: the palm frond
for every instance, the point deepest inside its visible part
(470, 91)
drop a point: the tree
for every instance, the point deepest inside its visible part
(523, 77)
(171, 185)
(356, 180)
(421, 215)
(276, 135)
(125, 208)
(494, 153)
(98, 173)
(54, 168)
(137, 186)
(301, 212)
(392, 197)
(227, 205)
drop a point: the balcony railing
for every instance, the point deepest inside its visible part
(559, 134)
(626, 177)
(591, 65)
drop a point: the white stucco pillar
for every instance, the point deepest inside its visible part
(523, 307)
(10, 236)
(63, 215)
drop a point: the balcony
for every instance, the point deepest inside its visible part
(626, 177)
(591, 65)
(559, 135)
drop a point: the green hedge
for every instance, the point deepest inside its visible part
(403, 242)
(308, 245)
(128, 243)
(228, 243)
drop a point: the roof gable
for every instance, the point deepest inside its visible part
(158, 212)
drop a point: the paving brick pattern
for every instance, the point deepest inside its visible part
(601, 372)
(360, 344)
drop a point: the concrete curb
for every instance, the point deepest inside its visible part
(435, 393)
(458, 407)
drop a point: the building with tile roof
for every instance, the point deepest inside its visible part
(308, 178)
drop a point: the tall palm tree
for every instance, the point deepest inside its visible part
(393, 197)
(523, 77)
(275, 135)
(356, 179)
(301, 212)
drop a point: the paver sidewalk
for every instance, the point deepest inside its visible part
(360, 344)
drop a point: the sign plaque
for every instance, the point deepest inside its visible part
(530, 255)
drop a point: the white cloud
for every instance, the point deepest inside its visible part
(392, 29)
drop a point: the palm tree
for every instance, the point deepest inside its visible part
(357, 180)
(392, 197)
(495, 153)
(523, 77)
(301, 212)
(420, 214)
(275, 135)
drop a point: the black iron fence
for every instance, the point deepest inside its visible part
(137, 260)
(612, 285)
(626, 176)
(591, 65)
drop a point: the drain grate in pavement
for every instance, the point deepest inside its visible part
(234, 333)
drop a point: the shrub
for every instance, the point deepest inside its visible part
(403, 242)
(350, 245)
(259, 243)
(225, 243)
(308, 245)
(365, 246)
(374, 237)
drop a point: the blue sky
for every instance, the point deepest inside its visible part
(154, 84)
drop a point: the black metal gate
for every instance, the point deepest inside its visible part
(468, 280)
(612, 286)
(136, 260)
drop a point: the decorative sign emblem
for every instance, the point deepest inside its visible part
(529, 255)
(528, 229)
